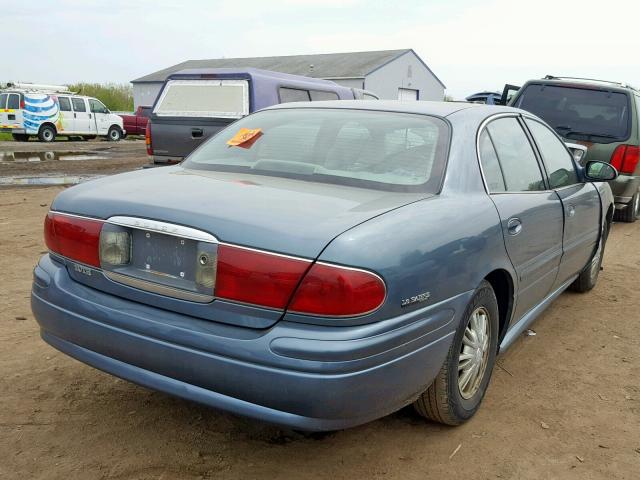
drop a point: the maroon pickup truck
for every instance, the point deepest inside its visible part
(136, 124)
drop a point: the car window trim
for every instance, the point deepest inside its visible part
(539, 152)
(518, 118)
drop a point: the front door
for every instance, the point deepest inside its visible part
(531, 215)
(580, 201)
(100, 115)
(83, 119)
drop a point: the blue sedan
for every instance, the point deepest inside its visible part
(322, 265)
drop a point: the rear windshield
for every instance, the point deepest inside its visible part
(204, 98)
(381, 150)
(579, 113)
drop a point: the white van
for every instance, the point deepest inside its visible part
(47, 110)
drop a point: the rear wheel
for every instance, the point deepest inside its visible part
(20, 137)
(114, 134)
(456, 393)
(632, 211)
(589, 276)
(47, 133)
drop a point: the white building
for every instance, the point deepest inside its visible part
(390, 74)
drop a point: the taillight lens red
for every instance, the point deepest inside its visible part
(73, 237)
(625, 158)
(270, 280)
(333, 290)
(258, 278)
(147, 138)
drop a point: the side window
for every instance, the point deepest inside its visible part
(3, 100)
(65, 104)
(293, 95)
(13, 102)
(515, 154)
(78, 104)
(96, 106)
(318, 95)
(490, 165)
(556, 158)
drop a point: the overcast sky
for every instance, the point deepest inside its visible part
(471, 45)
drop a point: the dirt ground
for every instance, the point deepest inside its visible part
(565, 403)
(84, 158)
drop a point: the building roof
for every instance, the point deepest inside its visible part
(324, 65)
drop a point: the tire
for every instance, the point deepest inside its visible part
(20, 137)
(632, 211)
(114, 134)
(589, 276)
(47, 133)
(445, 401)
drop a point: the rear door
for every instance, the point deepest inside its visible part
(531, 215)
(3, 113)
(13, 110)
(188, 112)
(580, 201)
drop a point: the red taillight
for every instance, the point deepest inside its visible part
(22, 104)
(332, 290)
(270, 280)
(625, 158)
(73, 237)
(147, 138)
(259, 278)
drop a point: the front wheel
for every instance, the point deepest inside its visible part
(114, 134)
(20, 137)
(456, 393)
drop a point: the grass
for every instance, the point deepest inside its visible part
(5, 137)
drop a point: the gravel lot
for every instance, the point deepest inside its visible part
(565, 403)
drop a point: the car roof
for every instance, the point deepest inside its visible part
(250, 72)
(437, 109)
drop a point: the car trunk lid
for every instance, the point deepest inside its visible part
(270, 214)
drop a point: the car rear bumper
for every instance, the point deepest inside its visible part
(297, 375)
(624, 188)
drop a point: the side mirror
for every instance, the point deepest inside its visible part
(597, 171)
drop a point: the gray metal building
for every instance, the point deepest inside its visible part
(391, 74)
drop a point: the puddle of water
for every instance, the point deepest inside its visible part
(49, 180)
(26, 157)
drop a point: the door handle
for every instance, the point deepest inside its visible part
(74, 114)
(571, 210)
(514, 226)
(197, 132)
(89, 116)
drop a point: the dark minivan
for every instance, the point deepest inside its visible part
(195, 104)
(603, 116)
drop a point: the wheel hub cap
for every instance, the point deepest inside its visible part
(474, 353)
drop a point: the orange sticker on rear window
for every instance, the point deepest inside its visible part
(245, 137)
